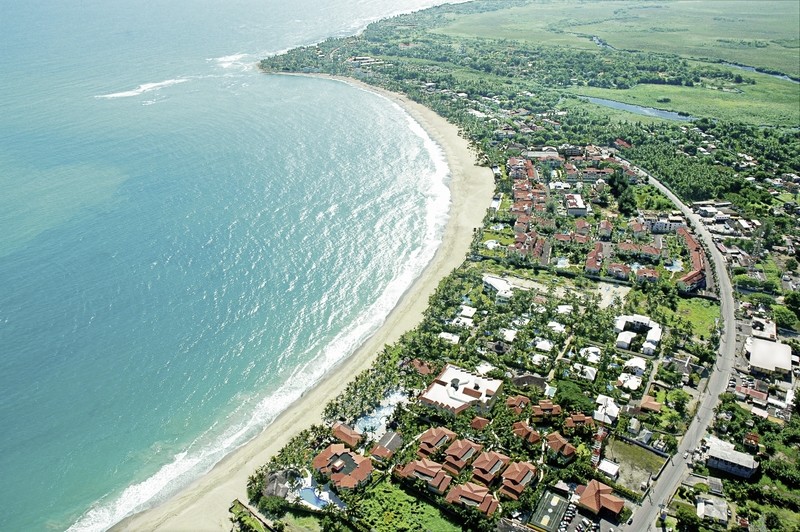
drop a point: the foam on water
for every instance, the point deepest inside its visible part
(141, 89)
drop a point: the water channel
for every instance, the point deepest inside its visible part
(640, 110)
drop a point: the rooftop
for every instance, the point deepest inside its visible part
(455, 390)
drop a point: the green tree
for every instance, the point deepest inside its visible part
(773, 521)
(687, 519)
(792, 302)
(783, 317)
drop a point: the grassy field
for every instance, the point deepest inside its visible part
(769, 101)
(243, 515)
(636, 463)
(702, 314)
(389, 508)
(761, 34)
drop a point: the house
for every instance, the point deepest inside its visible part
(346, 434)
(386, 446)
(594, 260)
(771, 358)
(578, 419)
(474, 495)
(516, 478)
(347, 470)
(582, 227)
(431, 472)
(650, 404)
(559, 448)
(434, 439)
(526, 432)
(460, 454)
(586, 372)
(422, 367)
(605, 229)
(575, 205)
(609, 469)
(517, 403)
(607, 410)
(723, 456)
(712, 509)
(598, 498)
(499, 287)
(635, 365)
(647, 275)
(634, 426)
(619, 270)
(479, 423)
(487, 466)
(456, 390)
(638, 229)
(545, 409)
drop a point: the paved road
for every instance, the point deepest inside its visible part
(645, 517)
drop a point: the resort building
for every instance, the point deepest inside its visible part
(386, 446)
(559, 448)
(474, 495)
(518, 403)
(434, 439)
(346, 469)
(455, 390)
(460, 454)
(607, 410)
(431, 472)
(526, 432)
(346, 434)
(487, 466)
(517, 477)
(499, 287)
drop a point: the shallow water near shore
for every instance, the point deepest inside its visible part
(185, 244)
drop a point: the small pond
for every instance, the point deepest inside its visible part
(640, 110)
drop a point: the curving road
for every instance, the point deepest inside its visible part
(645, 517)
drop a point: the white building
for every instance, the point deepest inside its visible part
(456, 389)
(575, 205)
(635, 365)
(625, 338)
(769, 357)
(607, 410)
(498, 286)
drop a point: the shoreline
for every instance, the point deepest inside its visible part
(203, 505)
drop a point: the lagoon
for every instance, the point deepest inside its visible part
(639, 109)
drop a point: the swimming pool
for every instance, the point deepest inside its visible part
(311, 497)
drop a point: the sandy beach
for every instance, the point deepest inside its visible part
(204, 504)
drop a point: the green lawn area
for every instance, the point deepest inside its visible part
(633, 454)
(389, 508)
(701, 313)
(305, 523)
(761, 34)
(770, 269)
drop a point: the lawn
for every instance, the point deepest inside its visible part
(389, 508)
(244, 516)
(305, 523)
(636, 463)
(700, 313)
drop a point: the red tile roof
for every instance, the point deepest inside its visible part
(460, 454)
(517, 403)
(559, 444)
(432, 439)
(346, 469)
(546, 408)
(650, 403)
(526, 432)
(479, 423)
(488, 465)
(516, 478)
(471, 494)
(578, 420)
(346, 434)
(597, 496)
(429, 471)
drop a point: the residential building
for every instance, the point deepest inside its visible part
(526, 432)
(474, 495)
(723, 456)
(498, 286)
(433, 439)
(386, 446)
(517, 477)
(559, 448)
(346, 434)
(487, 466)
(599, 499)
(517, 403)
(431, 472)
(607, 410)
(575, 205)
(771, 358)
(460, 454)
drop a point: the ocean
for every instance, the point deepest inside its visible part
(186, 244)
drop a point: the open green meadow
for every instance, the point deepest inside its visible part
(762, 34)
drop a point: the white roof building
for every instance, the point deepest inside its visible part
(592, 354)
(508, 334)
(463, 322)
(557, 327)
(625, 338)
(449, 337)
(609, 468)
(467, 311)
(654, 334)
(769, 357)
(543, 344)
(456, 389)
(539, 360)
(636, 365)
(631, 382)
(723, 456)
(500, 286)
(587, 372)
(607, 410)
(564, 309)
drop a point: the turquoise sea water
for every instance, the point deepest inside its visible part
(185, 244)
